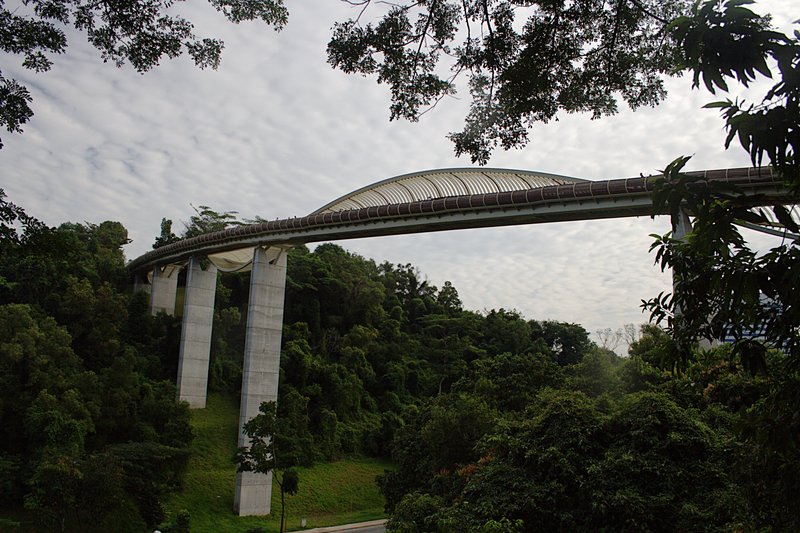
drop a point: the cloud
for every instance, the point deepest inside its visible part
(276, 132)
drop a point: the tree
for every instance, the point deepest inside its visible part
(166, 236)
(723, 287)
(206, 220)
(140, 32)
(569, 342)
(527, 60)
(268, 452)
(11, 216)
(90, 439)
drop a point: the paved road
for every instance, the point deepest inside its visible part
(370, 529)
(376, 526)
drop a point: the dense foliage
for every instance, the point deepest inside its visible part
(605, 444)
(92, 435)
(364, 341)
(526, 60)
(496, 423)
(724, 287)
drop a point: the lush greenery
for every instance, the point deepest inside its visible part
(606, 443)
(330, 493)
(92, 435)
(364, 341)
(495, 422)
(724, 287)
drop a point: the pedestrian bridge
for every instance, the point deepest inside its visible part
(435, 200)
(441, 200)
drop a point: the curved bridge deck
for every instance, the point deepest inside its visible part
(570, 199)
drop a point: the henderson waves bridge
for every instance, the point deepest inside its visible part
(434, 200)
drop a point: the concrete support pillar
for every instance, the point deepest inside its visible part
(262, 352)
(198, 316)
(683, 225)
(140, 284)
(163, 289)
(680, 229)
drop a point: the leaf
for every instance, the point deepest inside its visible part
(785, 218)
(720, 104)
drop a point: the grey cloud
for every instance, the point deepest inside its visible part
(277, 133)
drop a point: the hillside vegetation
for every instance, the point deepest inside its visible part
(330, 493)
(494, 422)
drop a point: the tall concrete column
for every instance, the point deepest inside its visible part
(679, 231)
(198, 316)
(682, 226)
(140, 284)
(163, 290)
(262, 353)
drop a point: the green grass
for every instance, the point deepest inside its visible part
(330, 493)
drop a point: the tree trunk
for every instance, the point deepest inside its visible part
(283, 506)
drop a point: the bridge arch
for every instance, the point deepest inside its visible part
(443, 183)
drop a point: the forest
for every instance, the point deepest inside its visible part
(495, 422)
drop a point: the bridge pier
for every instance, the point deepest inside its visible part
(262, 353)
(196, 326)
(163, 290)
(683, 225)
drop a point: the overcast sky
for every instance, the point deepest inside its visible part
(276, 132)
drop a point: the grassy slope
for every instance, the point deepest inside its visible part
(331, 493)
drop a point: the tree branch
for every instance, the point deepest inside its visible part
(491, 42)
(649, 13)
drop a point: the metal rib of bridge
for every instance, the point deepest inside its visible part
(567, 199)
(443, 183)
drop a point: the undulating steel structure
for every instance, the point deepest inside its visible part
(425, 201)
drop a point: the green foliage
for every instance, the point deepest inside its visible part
(770, 471)
(722, 283)
(11, 216)
(527, 61)
(655, 347)
(662, 466)
(726, 40)
(510, 381)
(597, 373)
(414, 513)
(206, 220)
(166, 236)
(362, 342)
(566, 465)
(723, 287)
(568, 342)
(438, 439)
(91, 438)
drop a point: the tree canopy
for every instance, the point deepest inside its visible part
(92, 435)
(526, 61)
(724, 288)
